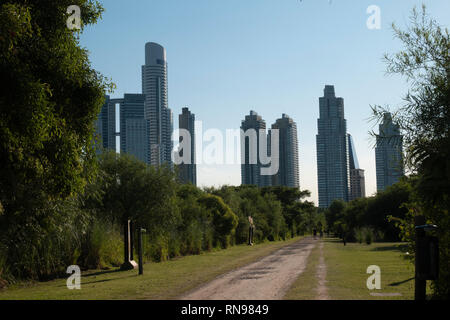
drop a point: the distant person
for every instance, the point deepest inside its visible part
(321, 234)
(315, 233)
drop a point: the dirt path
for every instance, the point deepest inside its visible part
(266, 279)
(321, 274)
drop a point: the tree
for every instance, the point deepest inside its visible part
(425, 121)
(334, 213)
(132, 190)
(49, 99)
(223, 219)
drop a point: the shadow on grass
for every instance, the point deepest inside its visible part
(394, 284)
(99, 273)
(393, 247)
(332, 240)
(104, 280)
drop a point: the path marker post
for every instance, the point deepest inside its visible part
(128, 263)
(427, 257)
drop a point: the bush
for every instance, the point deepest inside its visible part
(4, 275)
(223, 219)
(102, 248)
(158, 249)
(359, 235)
(379, 236)
(368, 235)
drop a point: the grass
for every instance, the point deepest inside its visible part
(304, 288)
(346, 272)
(165, 280)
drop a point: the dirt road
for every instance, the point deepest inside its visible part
(265, 279)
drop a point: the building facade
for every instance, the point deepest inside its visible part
(157, 114)
(388, 153)
(188, 171)
(288, 172)
(357, 178)
(133, 127)
(131, 130)
(251, 166)
(332, 149)
(105, 126)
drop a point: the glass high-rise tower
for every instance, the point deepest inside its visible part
(188, 171)
(357, 179)
(105, 125)
(388, 153)
(288, 172)
(251, 164)
(332, 149)
(133, 127)
(156, 111)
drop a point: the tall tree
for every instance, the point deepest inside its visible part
(49, 99)
(425, 120)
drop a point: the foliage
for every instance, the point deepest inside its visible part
(224, 221)
(425, 121)
(378, 213)
(49, 99)
(60, 204)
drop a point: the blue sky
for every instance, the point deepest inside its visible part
(227, 57)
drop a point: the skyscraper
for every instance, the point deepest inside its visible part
(156, 111)
(332, 149)
(133, 127)
(288, 172)
(388, 153)
(105, 125)
(188, 171)
(357, 179)
(251, 165)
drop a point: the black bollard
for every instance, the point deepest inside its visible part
(420, 285)
(131, 240)
(141, 262)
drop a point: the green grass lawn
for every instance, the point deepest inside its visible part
(165, 280)
(346, 272)
(347, 267)
(304, 288)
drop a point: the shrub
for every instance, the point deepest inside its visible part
(4, 275)
(223, 219)
(158, 249)
(359, 235)
(103, 247)
(368, 235)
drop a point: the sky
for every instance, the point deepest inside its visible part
(227, 57)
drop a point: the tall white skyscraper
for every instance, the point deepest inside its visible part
(156, 111)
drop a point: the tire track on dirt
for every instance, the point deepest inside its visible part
(266, 279)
